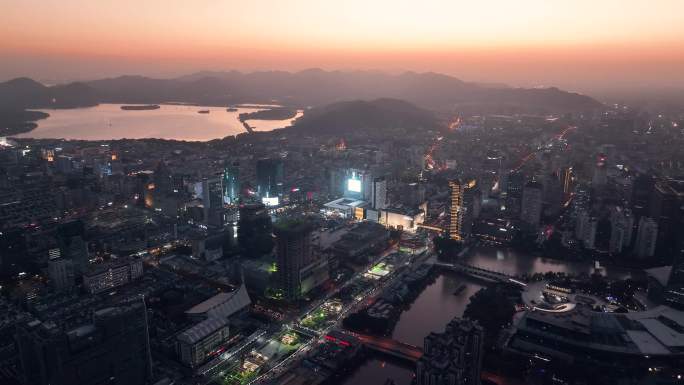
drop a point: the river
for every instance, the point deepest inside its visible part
(436, 305)
(170, 121)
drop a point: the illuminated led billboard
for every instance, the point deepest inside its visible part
(272, 201)
(354, 185)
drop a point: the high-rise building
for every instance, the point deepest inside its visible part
(622, 224)
(532, 200)
(212, 200)
(566, 178)
(72, 244)
(293, 253)
(163, 180)
(270, 178)
(379, 195)
(600, 177)
(642, 190)
(647, 236)
(514, 190)
(460, 220)
(112, 348)
(254, 230)
(61, 273)
(665, 209)
(231, 184)
(453, 357)
(674, 290)
(585, 229)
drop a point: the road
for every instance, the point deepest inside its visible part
(289, 362)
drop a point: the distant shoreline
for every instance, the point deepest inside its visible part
(20, 122)
(140, 107)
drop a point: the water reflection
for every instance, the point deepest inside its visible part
(179, 122)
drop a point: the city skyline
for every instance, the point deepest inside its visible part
(287, 192)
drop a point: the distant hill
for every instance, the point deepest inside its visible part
(382, 116)
(23, 93)
(313, 87)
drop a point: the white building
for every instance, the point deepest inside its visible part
(647, 235)
(379, 195)
(622, 224)
(585, 229)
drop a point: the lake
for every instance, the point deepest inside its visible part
(178, 122)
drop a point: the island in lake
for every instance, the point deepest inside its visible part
(279, 113)
(141, 107)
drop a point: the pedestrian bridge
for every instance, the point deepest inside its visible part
(476, 271)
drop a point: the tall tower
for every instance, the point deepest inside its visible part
(231, 184)
(621, 222)
(514, 190)
(456, 209)
(379, 195)
(532, 200)
(461, 207)
(270, 177)
(293, 252)
(72, 245)
(212, 200)
(647, 236)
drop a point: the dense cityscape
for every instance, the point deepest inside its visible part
(271, 258)
(342, 193)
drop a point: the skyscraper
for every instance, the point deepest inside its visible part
(254, 230)
(72, 244)
(379, 195)
(453, 357)
(664, 207)
(622, 224)
(269, 178)
(456, 210)
(585, 229)
(532, 200)
(293, 253)
(566, 179)
(647, 236)
(231, 183)
(641, 195)
(514, 190)
(600, 177)
(212, 200)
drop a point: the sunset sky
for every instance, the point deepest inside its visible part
(575, 44)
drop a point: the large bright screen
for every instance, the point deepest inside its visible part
(354, 185)
(272, 201)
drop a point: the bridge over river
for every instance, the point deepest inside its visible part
(475, 271)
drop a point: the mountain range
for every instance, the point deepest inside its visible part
(312, 87)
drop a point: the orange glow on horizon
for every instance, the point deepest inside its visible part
(521, 42)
